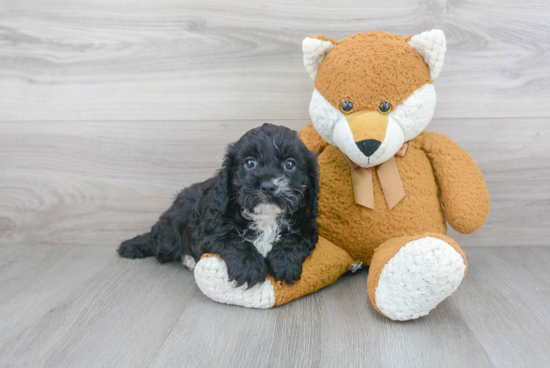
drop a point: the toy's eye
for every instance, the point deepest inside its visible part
(250, 163)
(290, 165)
(346, 106)
(384, 108)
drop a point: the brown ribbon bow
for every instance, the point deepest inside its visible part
(389, 179)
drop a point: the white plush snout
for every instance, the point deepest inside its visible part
(343, 139)
(405, 122)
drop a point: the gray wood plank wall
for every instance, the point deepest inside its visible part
(108, 108)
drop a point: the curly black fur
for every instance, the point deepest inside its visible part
(214, 216)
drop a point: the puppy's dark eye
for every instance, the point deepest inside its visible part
(290, 165)
(384, 108)
(346, 106)
(250, 163)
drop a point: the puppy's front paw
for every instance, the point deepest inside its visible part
(284, 270)
(250, 269)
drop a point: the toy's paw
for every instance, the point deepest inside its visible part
(213, 280)
(418, 277)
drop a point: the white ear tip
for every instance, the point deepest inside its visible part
(311, 47)
(439, 35)
(432, 45)
(306, 45)
(314, 51)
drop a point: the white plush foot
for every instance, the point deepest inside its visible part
(421, 275)
(211, 277)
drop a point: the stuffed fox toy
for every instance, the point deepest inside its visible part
(387, 187)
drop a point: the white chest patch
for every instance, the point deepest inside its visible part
(266, 225)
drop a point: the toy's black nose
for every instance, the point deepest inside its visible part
(268, 186)
(368, 146)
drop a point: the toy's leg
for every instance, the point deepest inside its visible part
(410, 275)
(326, 265)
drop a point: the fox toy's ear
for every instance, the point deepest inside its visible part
(432, 46)
(315, 48)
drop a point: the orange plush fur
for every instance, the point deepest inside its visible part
(414, 265)
(393, 73)
(368, 68)
(431, 159)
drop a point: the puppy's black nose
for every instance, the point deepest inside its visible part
(368, 146)
(268, 186)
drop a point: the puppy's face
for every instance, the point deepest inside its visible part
(273, 172)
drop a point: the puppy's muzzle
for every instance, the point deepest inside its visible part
(279, 191)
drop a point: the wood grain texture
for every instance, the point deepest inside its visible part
(514, 157)
(118, 312)
(88, 156)
(103, 182)
(108, 108)
(208, 59)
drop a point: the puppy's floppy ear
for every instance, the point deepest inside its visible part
(313, 186)
(220, 192)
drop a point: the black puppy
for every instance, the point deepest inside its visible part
(259, 213)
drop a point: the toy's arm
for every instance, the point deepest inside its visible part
(463, 190)
(313, 141)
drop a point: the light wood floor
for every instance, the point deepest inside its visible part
(83, 306)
